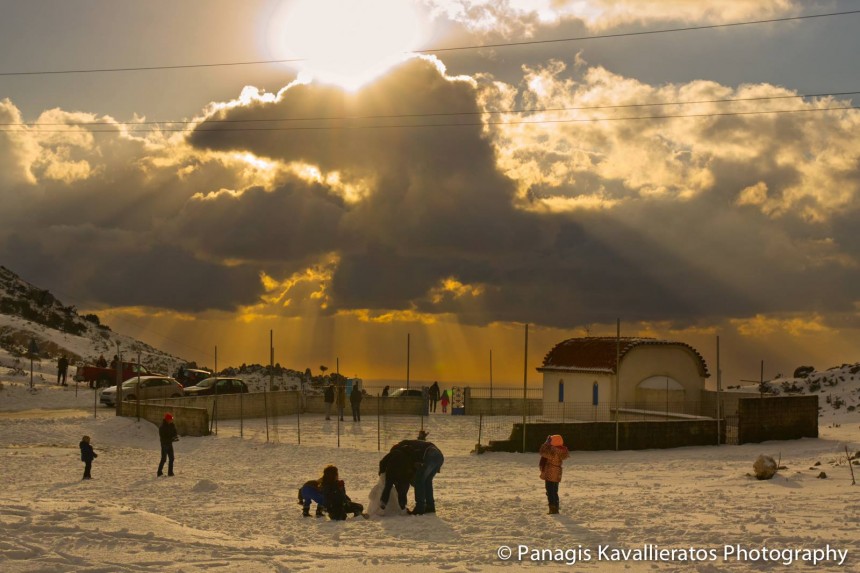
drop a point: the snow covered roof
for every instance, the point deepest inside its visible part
(597, 353)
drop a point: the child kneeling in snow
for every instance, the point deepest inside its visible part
(311, 492)
(552, 455)
(337, 503)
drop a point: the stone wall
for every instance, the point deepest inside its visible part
(777, 418)
(189, 421)
(404, 405)
(591, 436)
(502, 406)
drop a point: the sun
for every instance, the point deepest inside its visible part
(346, 42)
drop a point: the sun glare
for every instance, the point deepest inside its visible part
(346, 42)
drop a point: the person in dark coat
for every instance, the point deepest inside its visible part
(87, 456)
(337, 503)
(62, 369)
(433, 396)
(167, 434)
(355, 398)
(385, 392)
(328, 398)
(101, 362)
(399, 469)
(427, 460)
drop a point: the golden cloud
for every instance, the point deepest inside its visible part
(761, 325)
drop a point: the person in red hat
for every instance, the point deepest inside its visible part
(167, 434)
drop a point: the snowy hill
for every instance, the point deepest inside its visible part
(30, 313)
(838, 388)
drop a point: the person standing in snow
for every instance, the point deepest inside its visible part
(445, 401)
(167, 434)
(552, 455)
(62, 369)
(328, 397)
(355, 398)
(434, 396)
(87, 456)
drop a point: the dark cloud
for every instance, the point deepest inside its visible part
(438, 226)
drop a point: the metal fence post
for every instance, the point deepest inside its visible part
(299, 397)
(266, 411)
(241, 415)
(378, 423)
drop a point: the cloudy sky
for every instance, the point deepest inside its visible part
(447, 169)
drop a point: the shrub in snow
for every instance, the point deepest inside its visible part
(803, 371)
(791, 387)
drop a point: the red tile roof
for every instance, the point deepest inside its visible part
(598, 353)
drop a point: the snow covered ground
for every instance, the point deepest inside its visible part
(232, 505)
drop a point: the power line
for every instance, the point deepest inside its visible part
(441, 49)
(149, 68)
(434, 114)
(642, 33)
(459, 124)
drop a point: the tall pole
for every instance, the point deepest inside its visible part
(617, 376)
(407, 358)
(216, 360)
(525, 383)
(118, 381)
(719, 390)
(271, 361)
(491, 381)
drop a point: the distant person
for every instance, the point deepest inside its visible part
(433, 396)
(385, 392)
(62, 369)
(445, 400)
(340, 400)
(355, 398)
(114, 362)
(87, 456)
(552, 455)
(328, 398)
(167, 434)
(101, 362)
(337, 503)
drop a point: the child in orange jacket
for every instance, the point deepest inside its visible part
(553, 453)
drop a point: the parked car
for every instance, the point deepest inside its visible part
(217, 385)
(148, 388)
(400, 392)
(191, 376)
